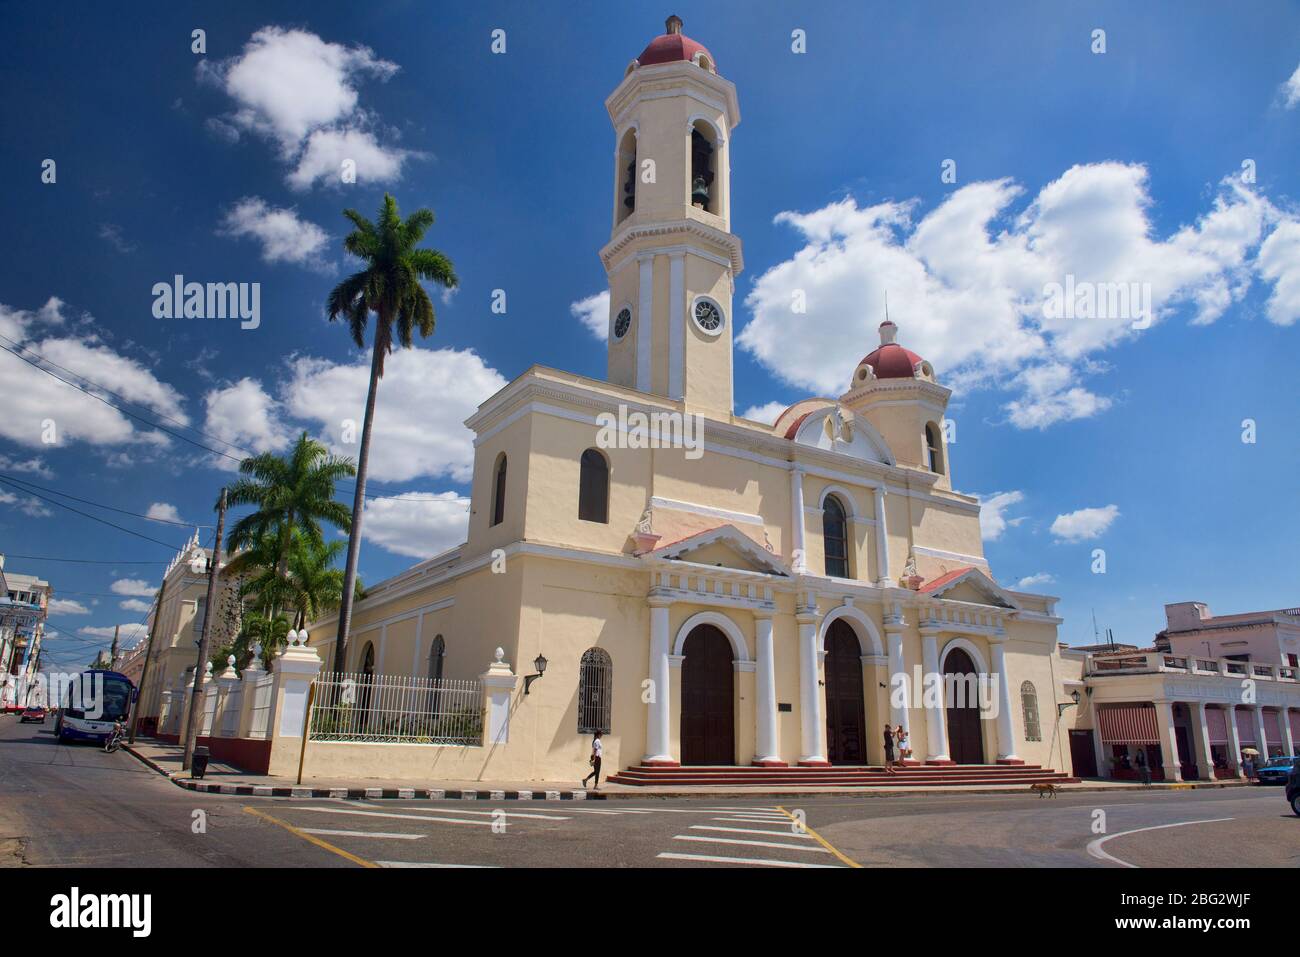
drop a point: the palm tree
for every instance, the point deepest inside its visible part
(291, 493)
(389, 287)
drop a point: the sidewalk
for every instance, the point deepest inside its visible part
(226, 779)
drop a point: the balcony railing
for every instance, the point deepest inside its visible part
(1150, 662)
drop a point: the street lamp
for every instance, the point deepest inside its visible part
(540, 664)
(1074, 703)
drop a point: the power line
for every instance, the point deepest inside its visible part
(88, 561)
(111, 508)
(93, 518)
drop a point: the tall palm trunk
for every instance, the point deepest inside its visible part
(354, 535)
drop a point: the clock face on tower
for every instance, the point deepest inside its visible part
(708, 316)
(622, 322)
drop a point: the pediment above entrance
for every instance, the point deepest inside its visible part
(722, 547)
(970, 585)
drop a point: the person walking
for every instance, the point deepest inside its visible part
(889, 749)
(597, 749)
(1144, 769)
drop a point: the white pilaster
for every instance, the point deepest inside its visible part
(1261, 736)
(798, 555)
(935, 719)
(812, 721)
(1288, 739)
(1006, 729)
(1204, 753)
(766, 746)
(644, 320)
(882, 543)
(676, 323)
(499, 684)
(1234, 741)
(899, 693)
(1168, 740)
(658, 747)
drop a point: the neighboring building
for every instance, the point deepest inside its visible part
(24, 607)
(747, 604)
(1207, 688)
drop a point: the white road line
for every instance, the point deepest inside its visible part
(461, 810)
(753, 820)
(1094, 847)
(404, 817)
(736, 840)
(711, 859)
(749, 830)
(426, 864)
(389, 835)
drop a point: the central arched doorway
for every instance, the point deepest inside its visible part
(708, 698)
(965, 737)
(846, 723)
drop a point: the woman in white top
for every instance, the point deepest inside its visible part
(597, 749)
(901, 742)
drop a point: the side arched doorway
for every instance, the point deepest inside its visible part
(965, 737)
(708, 698)
(846, 723)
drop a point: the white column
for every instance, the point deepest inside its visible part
(798, 555)
(1260, 736)
(676, 323)
(899, 695)
(767, 749)
(1006, 729)
(882, 540)
(1168, 740)
(935, 719)
(644, 319)
(1234, 741)
(1288, 739)
(1204, 753)
(812, 721)
(658, 748)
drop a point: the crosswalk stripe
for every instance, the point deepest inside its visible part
(712, 859)
(753, 820)
(749, 830)
(736, 840)
(426, 864)
(404, 817)
(461, 810)
(393, 835)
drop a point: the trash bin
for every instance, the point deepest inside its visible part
(199, 764)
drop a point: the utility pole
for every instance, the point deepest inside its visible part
(148, 654)
(214, 566)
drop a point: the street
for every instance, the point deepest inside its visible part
(75, 806)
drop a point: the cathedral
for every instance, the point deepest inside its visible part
(735, 594)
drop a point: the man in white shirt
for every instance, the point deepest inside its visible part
(597, 749)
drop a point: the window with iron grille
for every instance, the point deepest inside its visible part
(1029, 701)
(595, 691)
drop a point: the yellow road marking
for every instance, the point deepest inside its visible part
(821, 840)
(311, 838)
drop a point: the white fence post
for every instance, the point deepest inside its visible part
(499, 684)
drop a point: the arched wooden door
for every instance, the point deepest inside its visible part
(965, 737)
(708, 698)
(846, 724)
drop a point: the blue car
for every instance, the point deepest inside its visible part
(1277, 770)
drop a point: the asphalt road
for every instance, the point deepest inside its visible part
(76, 806)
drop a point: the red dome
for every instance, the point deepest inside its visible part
(892, 361)
(672, 47)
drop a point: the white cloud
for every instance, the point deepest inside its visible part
(993, 518)
(137, 587)
(424, 399)
(163, 511)
(245, 416)
(112, 234)
(34, 466)
(966, 283)
(1279, 262)
(67, 606)
(130, 630)
(767, 413)
(593, 312)
(1291, 89)
(29, 505)
(416, 524)
(135, 604)
(284, 237)
(1085, 524)
(1029, 581)
(301, 92)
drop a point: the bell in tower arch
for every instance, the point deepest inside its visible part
(701, 169)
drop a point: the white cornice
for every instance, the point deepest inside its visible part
(723, 240)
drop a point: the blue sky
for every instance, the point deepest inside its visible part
(1124, 165)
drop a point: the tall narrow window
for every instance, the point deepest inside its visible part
(437, 655)
(1029, 702)
(595, 691)
(703, 194)
(835, 538)
(934, 448)
(626, 175)
(593, 488)
(499, 492)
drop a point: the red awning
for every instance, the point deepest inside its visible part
(1246, 727)
(1217, 721)
(1128, 724)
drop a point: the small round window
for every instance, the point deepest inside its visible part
(622, 322)
(708, 316)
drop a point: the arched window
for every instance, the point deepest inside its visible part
(437, 655)
(593, 488)
(934, 448)
(626, 176)
(595, 691)
(499, 491)
(703, 194)
(835, 538)
(368, 659)
(1029, 702)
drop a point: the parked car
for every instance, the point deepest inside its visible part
(34, 712)
(1277, 770)
(1293, 789)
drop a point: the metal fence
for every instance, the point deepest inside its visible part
(394, 708)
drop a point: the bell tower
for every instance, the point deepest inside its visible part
(671, 258)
